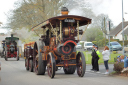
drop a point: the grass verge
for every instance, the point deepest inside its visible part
(88, 58)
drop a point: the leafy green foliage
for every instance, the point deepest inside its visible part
(125, 42)
(29, 13)
(100, 42)
(94, 34)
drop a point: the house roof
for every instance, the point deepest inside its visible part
(115, 31)
(126, 31)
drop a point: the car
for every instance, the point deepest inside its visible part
(79, 46)
(126, 48)
(88, 45)
(114, 46)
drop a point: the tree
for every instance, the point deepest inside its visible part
(94, 34)
(98, 23)
(29, 13)
(33, 12)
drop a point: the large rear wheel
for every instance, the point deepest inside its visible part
(81, 64)
(39, 64)
(51, 65)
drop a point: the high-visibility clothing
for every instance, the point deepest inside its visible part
(98, 53)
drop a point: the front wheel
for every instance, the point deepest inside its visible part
(51, 65)
(81, 64)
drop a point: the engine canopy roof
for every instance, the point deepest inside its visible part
(55, 21)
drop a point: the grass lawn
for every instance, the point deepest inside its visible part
(88, 58)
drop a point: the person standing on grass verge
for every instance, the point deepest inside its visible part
(96, 58)
(93, 56)
(106, 55)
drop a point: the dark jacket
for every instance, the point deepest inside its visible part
(94, 54)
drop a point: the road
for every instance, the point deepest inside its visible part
(14, 73)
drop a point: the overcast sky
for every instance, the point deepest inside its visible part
(111, 7)
(5, 6)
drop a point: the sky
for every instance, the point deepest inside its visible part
(111, 7)
(5, 6)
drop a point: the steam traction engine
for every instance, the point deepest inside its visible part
(56, 48)
(28, 55)
(11, 48)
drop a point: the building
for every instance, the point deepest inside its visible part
(117, 32)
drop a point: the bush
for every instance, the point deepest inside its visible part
(118, 67)
(125, 42)
(101, 42)
(94, 42)
(114, 40)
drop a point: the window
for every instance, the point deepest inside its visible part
(115, 43)
(89, 44)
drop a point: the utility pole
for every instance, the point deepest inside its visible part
(105, 30)
(123, 27)
(109, 37)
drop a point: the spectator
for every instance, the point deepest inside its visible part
(106, 54)
(120, 59)
(125, 65)
(93, 55)
(96, 58)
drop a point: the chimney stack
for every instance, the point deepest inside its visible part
(64, 11)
